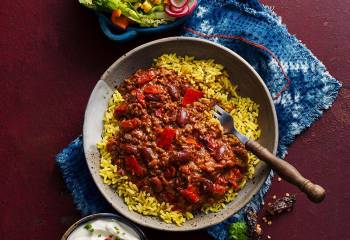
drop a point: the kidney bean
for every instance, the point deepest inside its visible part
(219, 152)
(111, 145)
(157, 184)
(184, 155)
(210, 143)
(121, 110)
(154, 105)
(128, 148)
(173, 92)
(181, 117)
(152, 97)
(180, 157)
(169, 172)
(147, 154)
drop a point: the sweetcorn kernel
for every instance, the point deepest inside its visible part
(146, 6)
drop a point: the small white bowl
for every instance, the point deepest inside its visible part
(98, 216)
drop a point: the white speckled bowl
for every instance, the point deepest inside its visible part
(241, 73)
(101, 216)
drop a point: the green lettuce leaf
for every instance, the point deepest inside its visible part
(153, 19)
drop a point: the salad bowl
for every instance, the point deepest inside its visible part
(116, 35)
(123, 20)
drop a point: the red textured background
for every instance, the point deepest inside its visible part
(51, 55)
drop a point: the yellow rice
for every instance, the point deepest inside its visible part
(214, 81)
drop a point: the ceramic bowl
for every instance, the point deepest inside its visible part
(98, 216)
(241, 73)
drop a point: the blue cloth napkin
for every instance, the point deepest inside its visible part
(311, 90)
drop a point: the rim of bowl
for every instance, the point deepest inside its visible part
(275, 125)
(91, 217)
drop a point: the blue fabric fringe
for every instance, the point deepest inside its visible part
(312, 90)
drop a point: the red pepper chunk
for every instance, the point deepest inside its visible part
(120, 111)
(129, 124)
(166, 137)
(145, 77)
(153, 89)
(234, 185)
(190, 193)
(132, 165)
(193, 141)
(234, 177)
(191, 95)
(237, 172)
(219, 190)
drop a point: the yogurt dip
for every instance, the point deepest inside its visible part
(104, 229)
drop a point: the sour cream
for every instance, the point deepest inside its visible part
(102, 229)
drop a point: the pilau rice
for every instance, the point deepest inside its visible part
(213, 81)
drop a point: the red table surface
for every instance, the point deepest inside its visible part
(51, 55)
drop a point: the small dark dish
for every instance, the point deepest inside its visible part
(117, 35)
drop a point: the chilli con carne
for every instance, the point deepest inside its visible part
(168, 146)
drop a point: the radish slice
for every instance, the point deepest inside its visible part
(192, 5)
(175, 9)
(184, 12)
(178, 3)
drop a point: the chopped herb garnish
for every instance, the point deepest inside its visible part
(237, 231)
(117, 229)
(99, 235)
(88, 226)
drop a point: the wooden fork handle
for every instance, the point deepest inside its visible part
(286, 171)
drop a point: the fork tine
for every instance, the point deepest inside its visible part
(216, 115)
(219, 109)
